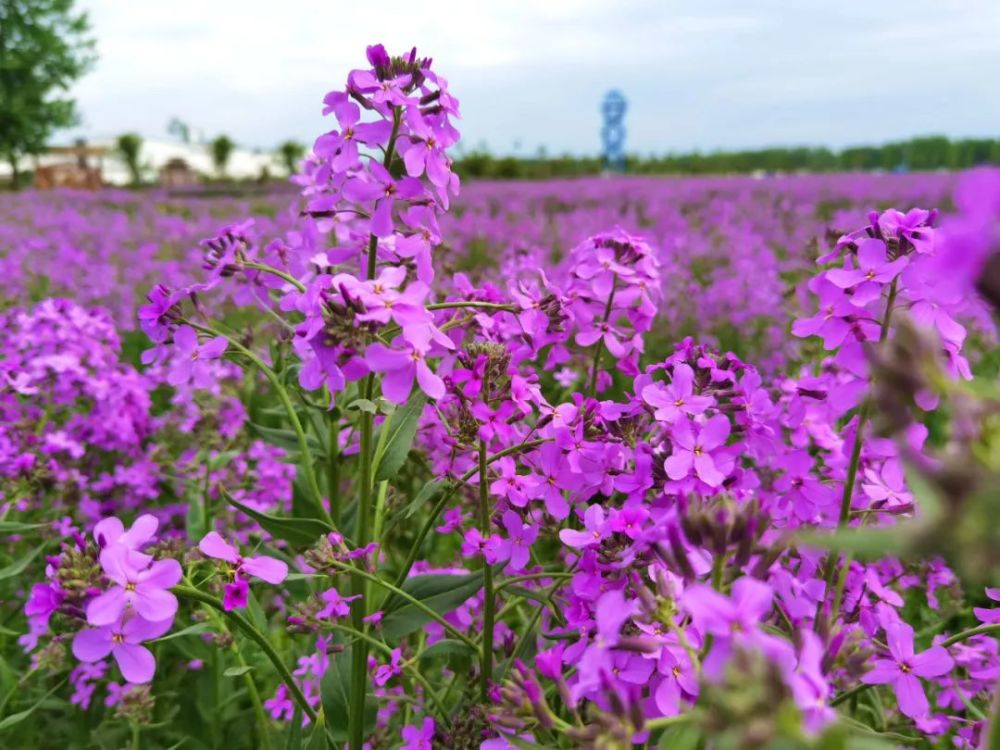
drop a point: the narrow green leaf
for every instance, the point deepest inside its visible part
(402, 428)
(683, 737)
(299, 532)
(427, 495)
(237, 671)
(17, 567)
(318, 737)
(17, 718)
(335, 691)
(441, 593)
(197, 629)
(16, 527)
(286, 439)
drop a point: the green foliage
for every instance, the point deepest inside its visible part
(44, 47)
(291, 153)
(222, 148)
(129, 146)
(920, 153)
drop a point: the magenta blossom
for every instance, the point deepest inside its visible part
(677, 398)
(904, 667)
(419, 738)
(693, 451)
(142, 589)
(123, 641)
(873, 270)
(266, 568)
(190, 363)
(401, 366)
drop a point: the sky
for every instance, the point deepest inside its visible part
(697, 74)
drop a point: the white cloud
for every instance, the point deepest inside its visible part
(535, 70)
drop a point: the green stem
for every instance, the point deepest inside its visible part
(293, 417)
(257, 637)
(471, 303)
(971, 632)
(664, 722)
(359, 587)
(852, 475)
(599, 346)
(489, 604)
(446, 494)
(333, 470)
(276, 272)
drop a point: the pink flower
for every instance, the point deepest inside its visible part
(873, 270)
(266, 568)
(141, 589)
(673, 400)
(190, 363)
(399, 367)
(122, 640)
(904, 667)
(693, 450)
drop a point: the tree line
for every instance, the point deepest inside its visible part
(916, 154)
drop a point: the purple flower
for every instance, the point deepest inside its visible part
(335, 604)
(122, 640)
(399, 367)
(517, 546)
(191, 360)
(904, 667)
(266, 568)
(873, 270)
(141, 589)
(419, 738)
(386, 672)
(597, 530)
(677, 398)
(693, 450)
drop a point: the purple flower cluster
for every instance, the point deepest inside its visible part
(520, 475)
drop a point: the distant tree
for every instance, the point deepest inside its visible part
(129, 146)
(222, 148)
(44, 47)
(291, 153)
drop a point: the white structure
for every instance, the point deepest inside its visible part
(243, 163)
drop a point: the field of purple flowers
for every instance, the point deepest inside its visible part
(385, 461)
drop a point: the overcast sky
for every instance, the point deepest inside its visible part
(698, 74)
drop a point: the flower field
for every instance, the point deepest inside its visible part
(382, 460)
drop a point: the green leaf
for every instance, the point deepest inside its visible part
(457, 654)
(427, 495)
(286, 439)
(294, 741)
(362, 404)
(197, 629)
(335, 691)
(17, 567)
(17, 718)
(441, 593)
(16, 527)
(237, 671)
(402, 428)
(318, 737)
(683, 737)
(195, 520)
(298, 532)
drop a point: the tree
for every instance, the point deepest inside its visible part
(44, 47)
(291, 153)
(129, 146)
(222, 148)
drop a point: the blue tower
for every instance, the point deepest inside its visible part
(613, 131)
